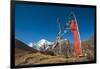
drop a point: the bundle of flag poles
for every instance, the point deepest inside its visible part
(76, 35)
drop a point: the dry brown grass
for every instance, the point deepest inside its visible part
(39, 58)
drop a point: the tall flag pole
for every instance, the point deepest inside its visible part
(76, 35)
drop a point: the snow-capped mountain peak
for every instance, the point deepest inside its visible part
(30, 44)
(40, 44)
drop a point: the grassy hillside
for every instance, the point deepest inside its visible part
(22, 49)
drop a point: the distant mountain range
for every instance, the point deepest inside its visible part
(44, 45)
(40, 45)
(21, 49)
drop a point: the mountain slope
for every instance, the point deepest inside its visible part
(22, 49)
(41, 45)
(88, 47)
(22, 46)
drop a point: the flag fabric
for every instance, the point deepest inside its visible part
(75, 32)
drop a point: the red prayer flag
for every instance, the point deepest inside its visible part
(76, 36)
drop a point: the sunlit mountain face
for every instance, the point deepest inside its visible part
(40, 44)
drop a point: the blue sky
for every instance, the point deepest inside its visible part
(34, 22)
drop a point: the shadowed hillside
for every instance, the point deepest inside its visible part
(22, 49)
